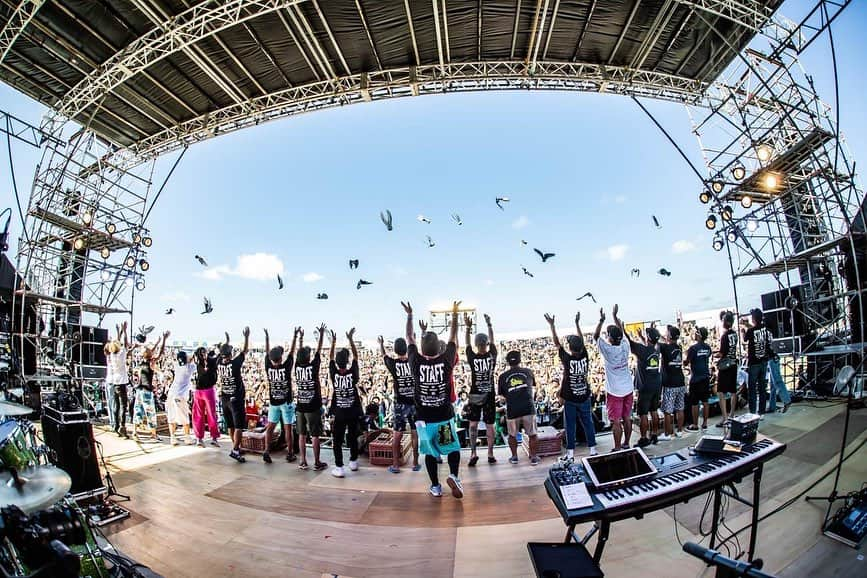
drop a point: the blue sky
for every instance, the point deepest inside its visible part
(584, 174)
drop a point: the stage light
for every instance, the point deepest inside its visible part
(105, 275)
(136, 238)
(710, 222)
(718, 186)
(78, 244)
(727, 213)
(739, 172)
(732, 236)
(87, 218)
(111, 228)
(144, 265)
(105, 252)
(746, 201)
(770, 181)
(140, 285)
(704, 197)
(130, 262)
(764, 152)
(752, 226)
(717, 244)
(147, 241)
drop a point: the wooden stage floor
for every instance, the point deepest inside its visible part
(197, 513)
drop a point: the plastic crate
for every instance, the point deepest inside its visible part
(254, 441)
(380, 449)
(549, 442)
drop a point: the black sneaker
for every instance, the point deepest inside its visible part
(643, 442)
(266, 457)
(654, 439)
(236, 455)
(473, 461)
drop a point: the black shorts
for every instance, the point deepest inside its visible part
(699, 391)
(234, 412)
(727, 381)
(648, 400)
(486, 410)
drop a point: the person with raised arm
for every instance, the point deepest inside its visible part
(280, 405)
(403, 386)
(308, 394)
(205, 398)
(144, 407)
(345, 402)
(178, 398)
(482, 362)
(117, 380)
(574, 387)
(432, 372)
(648, 381)
(618, 380)
(233, 393)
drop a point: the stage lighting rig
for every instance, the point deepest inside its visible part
(739, 172)
(136, 238)
(764, 152)
(718, 186)
(87, 218)
(732, 235)
(130, 262)
(746, 201)
(710, 222)
(105, 275)
(140, 284)
(717, 244)
(705, 197)
(144, 264)
(78, 244)
(105, 253)
(147, 241)
(727, 213)
(111, 228)
(752, 226)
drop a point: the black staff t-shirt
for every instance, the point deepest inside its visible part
(574, 386)
(433, 383)
(279, 381)
(516, 385)
(672, 363)
(648, 366)
(698, 357)
(229, 376)
(307, 391)
(758, 344)
(728, 345)
(344, 399)
(401, 379)
(482, 369)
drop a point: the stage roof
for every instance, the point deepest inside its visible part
(152, 75)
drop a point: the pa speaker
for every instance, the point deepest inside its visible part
(75, 452)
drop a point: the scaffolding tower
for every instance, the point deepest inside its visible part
(83, 252)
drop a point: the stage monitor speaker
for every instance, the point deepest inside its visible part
(90, 349)
(75, 451)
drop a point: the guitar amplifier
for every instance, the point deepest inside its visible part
(90, 372)
(744, 428)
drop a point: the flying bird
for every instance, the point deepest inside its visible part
(430, 242)
(544, 256)
(423, 219)
(588, 294)
(362, 282)
(523, 242)
(386, 219)
(201, 261)
(279, 282)
(169, 311)
(664, 272)
(208, 307)
(353, 263)
(656, 221)
(457, 219)
(527, 273)
(322, 295)
(635, 273)
(145, 329)
(500, 201)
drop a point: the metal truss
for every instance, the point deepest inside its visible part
(781, 182)
(415, 81)
(19, 20)
(81, 256)
(24, 131)
(749, 14)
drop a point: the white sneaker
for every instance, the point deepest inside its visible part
(338, 472)
(678, 434)
(454, 483)
(593, 451)
(436, 491)
(215, 443)
(664, 437)
(191, 441)
(353, 466)
(174, 440)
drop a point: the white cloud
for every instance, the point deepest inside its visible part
(613, 253)
(520, 222)
(682, 246)
(256, 266)
(312, 277)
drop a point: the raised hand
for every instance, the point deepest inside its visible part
(455, 306)
(601, 315)
(550, 319)
(166, 335)
(246, 332)
(381, 340)
(333, 336)
(468, 321)
(407, 307)
(124, 325)
(321, 328)
(266, 334)
(350, 334)
(227, 337)
(615, 310)
(487, 319)
(422, 325)
(577, 318)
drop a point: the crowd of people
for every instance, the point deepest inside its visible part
(430, 387)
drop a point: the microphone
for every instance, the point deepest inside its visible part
(714, 558)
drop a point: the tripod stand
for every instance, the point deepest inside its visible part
(109, 482)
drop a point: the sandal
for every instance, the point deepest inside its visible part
(473, 461)
(290, 458)
(492, 460)
(303, 466)
(319, 466)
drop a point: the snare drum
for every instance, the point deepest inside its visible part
(16, 450)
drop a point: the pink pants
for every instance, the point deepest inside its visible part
(205, 402)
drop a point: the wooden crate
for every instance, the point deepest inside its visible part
(254, 440)
(380, 450)
(549, 441)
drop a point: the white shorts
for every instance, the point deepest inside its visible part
(178, 411)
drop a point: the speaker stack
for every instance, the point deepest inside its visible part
(69, 434)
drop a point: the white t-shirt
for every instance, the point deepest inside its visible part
(117, 372)
(181, 382)
(618, 380)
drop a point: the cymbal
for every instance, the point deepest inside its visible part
(7, 408)
(39, 488)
